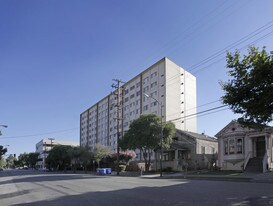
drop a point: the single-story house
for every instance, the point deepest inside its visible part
(189, 150)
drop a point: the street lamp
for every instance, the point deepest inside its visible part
(2, 125)
(161, 139)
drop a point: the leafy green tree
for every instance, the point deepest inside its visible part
(100, 152)
(79, 157)
(23, 159)
(249, 91)
(2, 151)
(145, 134)
(59, 157)
(3, 163)
(10, 161)
(33, 159)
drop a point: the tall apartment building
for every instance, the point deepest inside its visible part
(165, 81)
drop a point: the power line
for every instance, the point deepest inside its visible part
(209, 113)
(243, 47)
(40, 134)
(243, 39)
(205, 104)
(230, 46)
(190, 115)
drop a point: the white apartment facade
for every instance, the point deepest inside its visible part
(45, 145)
(165, 81)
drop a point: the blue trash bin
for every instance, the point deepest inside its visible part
(102, 171)
(108, 170)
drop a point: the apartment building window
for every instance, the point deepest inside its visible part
(153, 84)
(153, 104)
(132, 96)
(126, 99)
(132, 104)
(145, 108)
(145, 89)
(145, 80)
(126, 107)
(126, 91)
(154, 94)
(138, 93)
(145, 98)
(132, 87)
(137, 84)
(153, 74)
(137, 102)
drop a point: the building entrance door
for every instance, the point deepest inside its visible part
(260, 146)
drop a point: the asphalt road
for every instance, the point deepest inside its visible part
(34, 188)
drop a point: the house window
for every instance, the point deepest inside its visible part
(212, 150)
(226, 147)
(231, 146)
(239, 146)
(165, 157)
(203, 151)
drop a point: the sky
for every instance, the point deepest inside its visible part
(58, 58)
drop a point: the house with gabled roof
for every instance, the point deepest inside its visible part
(243, 148)
(190, 150)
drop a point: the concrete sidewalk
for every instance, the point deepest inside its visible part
(243, 177)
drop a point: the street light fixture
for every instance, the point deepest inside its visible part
(161, 139)
(2, 125)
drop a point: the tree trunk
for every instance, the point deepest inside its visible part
(147, 160)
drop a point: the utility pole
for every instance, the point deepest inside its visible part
(116, 85)
(51, 139)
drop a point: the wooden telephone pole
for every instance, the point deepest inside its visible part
(116, 85)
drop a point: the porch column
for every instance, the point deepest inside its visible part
(176, 160)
